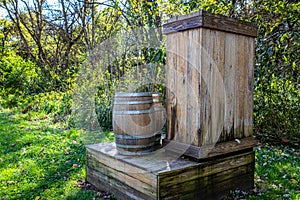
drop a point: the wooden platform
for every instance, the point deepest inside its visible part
(161, 175)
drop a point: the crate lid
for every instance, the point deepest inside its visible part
(208, 20)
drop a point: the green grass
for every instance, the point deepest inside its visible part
(277, 173)
(40, 159)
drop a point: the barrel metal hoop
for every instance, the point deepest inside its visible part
(132, 102)
(119, 136)
(135, 146)
(138, 153)
(137, 112)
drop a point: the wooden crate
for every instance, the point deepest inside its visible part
(210, 67)
(167, 176)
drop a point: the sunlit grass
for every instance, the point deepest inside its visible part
(277, 172)
(40, 159)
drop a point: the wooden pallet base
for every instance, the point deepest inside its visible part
(161, 175)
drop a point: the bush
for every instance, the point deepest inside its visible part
(18, 78)
(56, 105)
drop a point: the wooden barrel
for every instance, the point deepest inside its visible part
(137, 122)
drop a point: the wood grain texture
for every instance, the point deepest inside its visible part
(210, 151)
(171, 82)
(167, 176)
(229, 80)
(249, 105)
(117, 187)
(206, 88)
(181, 92)
(212, 87)
(239, 87)
(210, 187)
(207, 20)
(194, 85)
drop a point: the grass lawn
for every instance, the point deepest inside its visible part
(40, 159)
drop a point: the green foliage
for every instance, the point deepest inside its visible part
(56, 105)
(104, 106)
(277, 102)
(277, 109)
(18, 78)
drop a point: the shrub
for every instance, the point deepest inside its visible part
(18, 78)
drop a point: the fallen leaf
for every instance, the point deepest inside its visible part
(283, 139)
(76, 165)
(37, 198)
(11, 182)
(13, 144)
(295, 182)
(80, 184)
(296, 153)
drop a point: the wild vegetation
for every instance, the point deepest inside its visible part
(46, 45)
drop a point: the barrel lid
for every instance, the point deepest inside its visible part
(137, 94)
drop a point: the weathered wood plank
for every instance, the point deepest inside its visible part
(172, 123)
(194, 89)
(129, 178)
(173, 175)
(207, 168)
(119, 162)
(219, 59)
(209, 151)
(218, 87)
(249, 84)
(206, 186)
(229, 73)
(207, 20)
(181, 92)
(190, 103)
(107, 154)
(205, 94)
(169, 83)
(208, 177)
(239, 88)
(120, 189)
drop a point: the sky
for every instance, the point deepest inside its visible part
(50, 2)
(2, 12)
